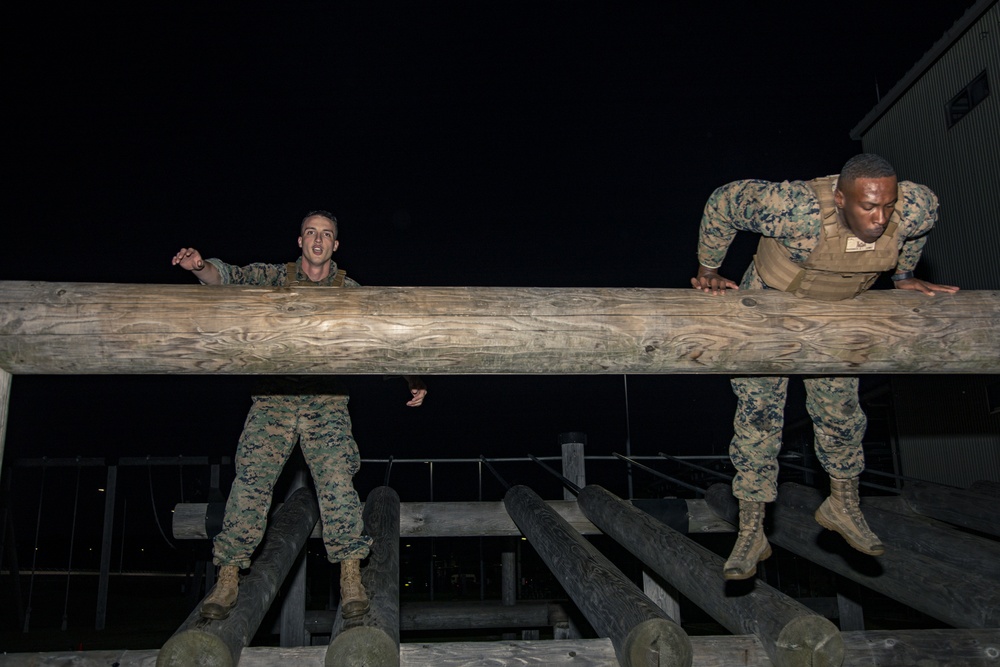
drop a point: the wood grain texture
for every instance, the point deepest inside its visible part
(103, 328)
(791, 634)
(219, 643)
(615, 607)
(886, 648)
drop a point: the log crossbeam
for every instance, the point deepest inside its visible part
(101, 328)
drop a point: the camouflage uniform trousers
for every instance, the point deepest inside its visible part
(838, 424)
(322, 427)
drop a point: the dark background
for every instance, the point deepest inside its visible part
(459, 143)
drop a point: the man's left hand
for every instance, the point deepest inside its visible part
(417, 389)
(930, 289)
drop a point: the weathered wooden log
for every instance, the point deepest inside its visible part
(197, 521)
(942, 591)
(902, 529)
(985, 487)
(83, 328)
(792, 634)
(886, 648)
(204, 643)
(373, 640)
(955, 506)
(615, 607)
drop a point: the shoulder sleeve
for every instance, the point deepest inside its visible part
(251, 274)
(782, 210)
(918, 213)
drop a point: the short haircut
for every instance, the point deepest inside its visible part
(323, 214)
(865, 165)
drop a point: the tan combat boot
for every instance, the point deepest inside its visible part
(751, 545)
(353, 600)
(223, 596)
(841, 513)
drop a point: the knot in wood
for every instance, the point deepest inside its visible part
(749, 302)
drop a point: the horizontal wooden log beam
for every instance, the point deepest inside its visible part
(888, 648)
(103, 328)
(457, 519)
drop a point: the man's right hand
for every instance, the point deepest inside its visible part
(188, 258)
(709, 280)
(191, 259)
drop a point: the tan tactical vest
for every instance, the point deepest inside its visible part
(836, 269)
(292, 277)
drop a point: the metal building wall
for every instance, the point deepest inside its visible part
(961, 164)
(946, 432)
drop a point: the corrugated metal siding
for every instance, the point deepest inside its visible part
(961, 164)
(945, 431)
(945, 428)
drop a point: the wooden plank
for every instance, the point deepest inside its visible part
(99, 328)
(458, 519)
(886, 648)
(457, 615)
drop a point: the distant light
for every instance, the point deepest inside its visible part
(100, 490)
(524, 539)
(407, 546)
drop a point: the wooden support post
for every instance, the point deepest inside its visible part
(110, 487)
(373, 640)
(508, 577)
(902, 529)
(791, 633)
(200, 641)
(945, 592)
(5, 379)
(67, 328)
(616, 608)
(662, 593)
(293, 602)
(573, 461)
(850, 613)
(955, 506)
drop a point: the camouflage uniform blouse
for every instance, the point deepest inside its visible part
(789, 212)
(273, 275)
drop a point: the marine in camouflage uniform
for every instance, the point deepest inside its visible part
(867, 222)
(310, 411)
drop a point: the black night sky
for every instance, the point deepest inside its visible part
(459, 143)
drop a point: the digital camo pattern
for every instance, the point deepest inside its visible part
(790, 212)
(311, 411)
(322, 427)
(273, 275)
(838, 424)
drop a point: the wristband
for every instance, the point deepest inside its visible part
(905, 275)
